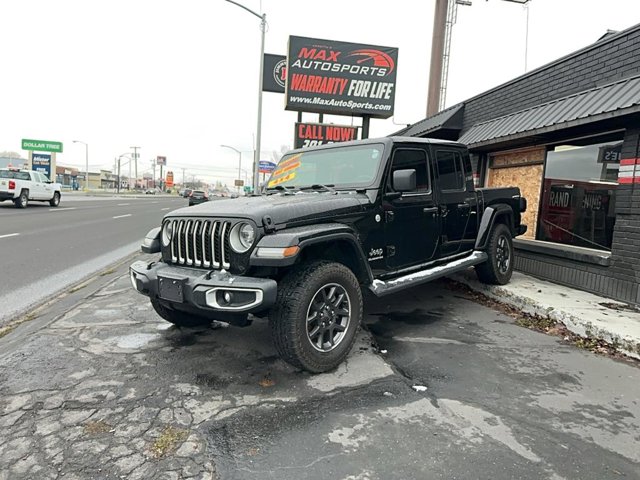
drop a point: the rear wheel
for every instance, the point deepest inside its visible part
(498, 268)
(178, 318)
(317, 316)
(55, 201)
(23, 200)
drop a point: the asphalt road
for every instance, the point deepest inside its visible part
(437, 387)
(45, 249)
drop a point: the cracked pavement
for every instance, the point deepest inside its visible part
(108, 390)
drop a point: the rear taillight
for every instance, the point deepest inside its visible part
(191, 194)
(206, 196)
(12, 185)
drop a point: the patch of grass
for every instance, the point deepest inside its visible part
(95, 427)
(536, 323)
(168, 441)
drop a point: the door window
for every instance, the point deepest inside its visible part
(450, 171)
(416, 159)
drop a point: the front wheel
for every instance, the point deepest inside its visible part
(498, 268)
(178, 318)
(317, 316)
(55, 201)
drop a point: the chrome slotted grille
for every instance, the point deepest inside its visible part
(201, 243)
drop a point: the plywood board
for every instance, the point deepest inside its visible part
(528, 178)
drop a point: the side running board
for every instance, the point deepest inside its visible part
(381, 288)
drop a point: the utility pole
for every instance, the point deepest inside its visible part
(153, 164)
(437, 52)
(135, 158)
(183, 185)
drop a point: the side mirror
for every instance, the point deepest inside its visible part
(404, 180)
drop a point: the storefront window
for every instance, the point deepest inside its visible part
(579, 193)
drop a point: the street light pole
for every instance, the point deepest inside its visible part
(86, 159)
(263, 27)
(239, 162)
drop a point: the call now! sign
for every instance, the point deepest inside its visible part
(41, 145)
(314, 134)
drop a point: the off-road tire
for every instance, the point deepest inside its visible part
(498, 268)
(178, 318)
(23, 200)
(288, 318)
(55, 201)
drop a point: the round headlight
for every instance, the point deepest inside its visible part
(242, 237)
(167, 233)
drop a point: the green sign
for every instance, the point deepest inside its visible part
(41, 145)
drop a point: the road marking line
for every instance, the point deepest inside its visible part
(9, 235)
(163, 209)
(154, 202)
(122, 216)
(123, 204)
(61, 209)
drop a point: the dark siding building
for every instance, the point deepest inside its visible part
(568, 134)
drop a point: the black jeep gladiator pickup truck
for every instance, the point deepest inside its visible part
(379, 214)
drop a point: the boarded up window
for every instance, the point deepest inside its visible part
(522, 169)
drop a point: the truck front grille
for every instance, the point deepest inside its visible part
(201, 243)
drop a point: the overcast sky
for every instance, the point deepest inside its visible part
(179, 78)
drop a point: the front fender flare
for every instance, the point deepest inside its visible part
(305, 237)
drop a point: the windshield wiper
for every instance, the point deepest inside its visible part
(319, 186)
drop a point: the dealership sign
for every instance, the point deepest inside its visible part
(265, 166)
(41, 145)
(41, 162)
(274, 73)
(161, 160)
(326, 76)
(313, 134)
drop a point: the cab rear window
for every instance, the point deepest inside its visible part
(16, 175)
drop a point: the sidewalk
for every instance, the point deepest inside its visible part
(582, 313)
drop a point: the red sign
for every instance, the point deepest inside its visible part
(314, 134)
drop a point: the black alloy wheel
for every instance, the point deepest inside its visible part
(328, 317)
(317, 315)
(498, 268)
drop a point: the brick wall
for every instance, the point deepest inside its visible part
(626, 235)
(603, 62)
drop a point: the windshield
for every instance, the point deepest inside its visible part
(352, 166)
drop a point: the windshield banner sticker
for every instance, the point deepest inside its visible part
(314, 134)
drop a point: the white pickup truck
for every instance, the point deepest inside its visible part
(22, 186)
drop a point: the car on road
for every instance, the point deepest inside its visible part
(22, 186)
(185, 193)
(150, 191)
(198, 196)
(380, 215)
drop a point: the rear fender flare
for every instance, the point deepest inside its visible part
(489, 219)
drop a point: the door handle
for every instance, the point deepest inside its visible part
(431, 210)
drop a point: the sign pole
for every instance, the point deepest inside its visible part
(365, 126)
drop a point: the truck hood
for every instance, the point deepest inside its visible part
(281, 208)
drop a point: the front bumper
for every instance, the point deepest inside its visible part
(207, 292)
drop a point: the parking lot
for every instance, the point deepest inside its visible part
(437, 387)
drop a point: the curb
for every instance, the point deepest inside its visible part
(589, 320)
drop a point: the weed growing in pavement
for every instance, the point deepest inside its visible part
(168, 441)
(94, 427)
